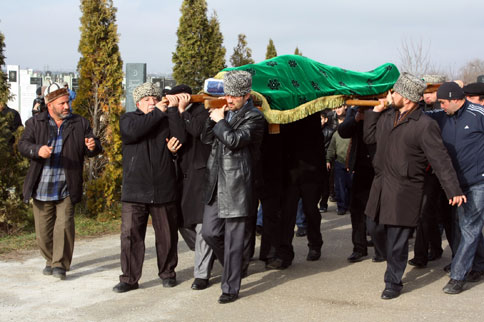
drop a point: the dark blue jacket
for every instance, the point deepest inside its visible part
(463, 136)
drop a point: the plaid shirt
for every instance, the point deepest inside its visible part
(52, 185)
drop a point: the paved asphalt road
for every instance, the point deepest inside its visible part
(330, 289)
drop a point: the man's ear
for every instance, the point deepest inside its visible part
(407, 101)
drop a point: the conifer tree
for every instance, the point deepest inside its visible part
(271, 50)
(242, 54)
(4, 90)
(99, 100)
(199, 52)
(14, 166)
(216, 50)
(297, 52)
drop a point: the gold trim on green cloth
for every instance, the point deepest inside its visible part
(299, 112)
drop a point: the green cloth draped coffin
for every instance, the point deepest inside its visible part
(292, 87)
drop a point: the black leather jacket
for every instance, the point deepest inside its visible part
(234, 154)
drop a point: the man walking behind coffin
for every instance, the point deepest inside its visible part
(406, 141)
(56, 143)
(235, 137)
(149, 185)
(462, 127)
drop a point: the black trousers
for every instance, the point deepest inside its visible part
(360, 191)
(249, 238)
(134, 219)
(310, 194)
(324, 189)
(271, 228)
(396, 250)
(226, 238)
(378, 235)
(428, 234)
(189, 236)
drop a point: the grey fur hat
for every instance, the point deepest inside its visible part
(237, 83)
(410, 87)
(433, 79)
(146, 89)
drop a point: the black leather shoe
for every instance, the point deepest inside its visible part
(227, 298)
(276, 263)
(417, 263)
(356, 257)
(59, 272)
(341, 212)
(199, 284)
(313, 255)
(473, 276)
(258, 230)
(47, 270)
(389, 294)
(122, 287)
(454, 286)
(169, 282)
(434, 256)
(301, 232)
(245, 273)
(447, 268)
(378, 259)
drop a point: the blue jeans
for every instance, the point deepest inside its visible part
(342, 186)
(470, 254)
(300, 217)
(259, 216)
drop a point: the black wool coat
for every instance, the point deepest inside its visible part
(148, 168)
(193, 164)
(402, 154)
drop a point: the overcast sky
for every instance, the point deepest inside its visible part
(356, 35)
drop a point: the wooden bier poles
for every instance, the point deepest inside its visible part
(215, 102)
(356, 102)
(209, 101)
(371, 102)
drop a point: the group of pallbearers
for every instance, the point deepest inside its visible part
(205, 171)
(425, 146)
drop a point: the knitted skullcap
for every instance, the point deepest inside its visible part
(474, 89)
(450, 91)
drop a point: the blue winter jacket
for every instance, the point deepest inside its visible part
(463, 136)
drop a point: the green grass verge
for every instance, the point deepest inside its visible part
(85, 227)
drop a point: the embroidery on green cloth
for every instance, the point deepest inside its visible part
(294, 86)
